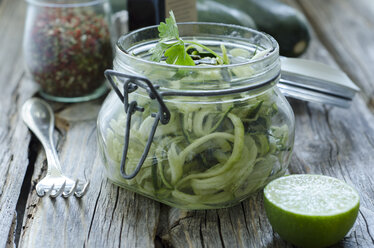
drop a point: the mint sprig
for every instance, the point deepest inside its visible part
(173, 47)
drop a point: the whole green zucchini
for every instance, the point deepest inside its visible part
(212, 11)
(285, 23)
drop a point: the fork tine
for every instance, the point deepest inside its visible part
(40, 191)
(83, 191)
(47, 193)
(58, 191)
(66, 195)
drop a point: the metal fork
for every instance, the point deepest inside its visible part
(39, 117)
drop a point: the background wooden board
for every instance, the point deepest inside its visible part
(14, 138)
(345, 29)
(329, 141)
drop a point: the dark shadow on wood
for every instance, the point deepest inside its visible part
(34, 149)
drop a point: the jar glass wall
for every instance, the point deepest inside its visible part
(67, 46)
(216, 150)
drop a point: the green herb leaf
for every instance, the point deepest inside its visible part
(225, 58)
(168, 30)
(159, 50)
(177, 55)
(175, 51)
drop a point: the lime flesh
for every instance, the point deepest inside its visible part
(311, 210)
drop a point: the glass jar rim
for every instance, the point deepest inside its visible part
(274, 51)
(62, 4)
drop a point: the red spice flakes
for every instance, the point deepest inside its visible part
(68, 50)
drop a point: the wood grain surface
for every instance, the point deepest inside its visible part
(345, 27)
(330, 141)
(14, 138)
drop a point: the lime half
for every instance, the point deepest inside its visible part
(311, 210)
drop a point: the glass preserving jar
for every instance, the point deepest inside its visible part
(196, 137)
(67, 46)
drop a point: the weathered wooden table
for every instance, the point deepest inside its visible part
(330, 141)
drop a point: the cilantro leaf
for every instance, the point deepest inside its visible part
(177, 55)
(173, 48)
(175, 52)
(168, 30)
(159, 50)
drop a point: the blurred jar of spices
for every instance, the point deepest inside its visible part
(67, 46)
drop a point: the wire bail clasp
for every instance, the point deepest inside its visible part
(131, 84)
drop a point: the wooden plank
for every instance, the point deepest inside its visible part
(328, 141)
(14, 136)
(326, 144)
(343, 148)
(344, 27)
(107, 216)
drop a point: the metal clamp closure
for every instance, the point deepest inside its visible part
(130, 85)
